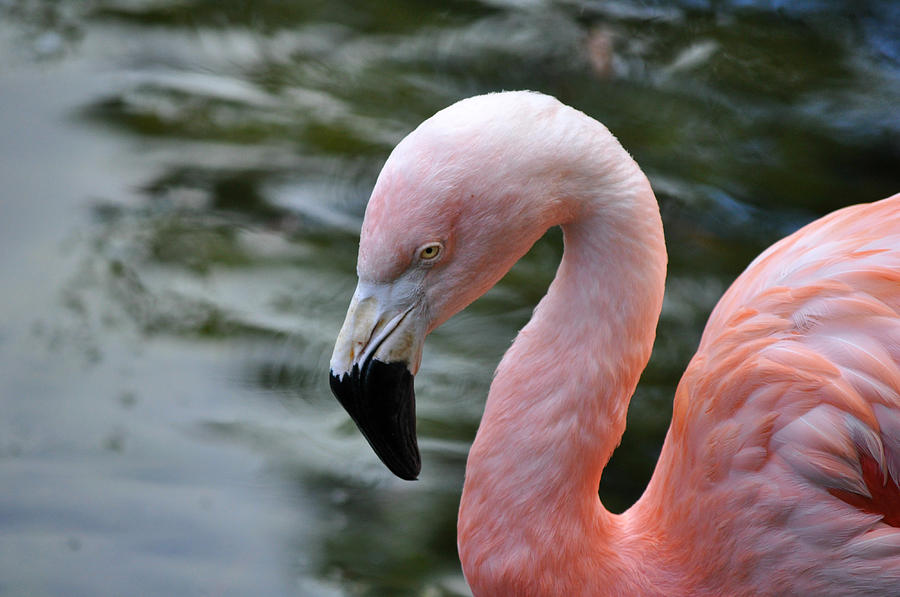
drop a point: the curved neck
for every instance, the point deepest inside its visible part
(556, 409)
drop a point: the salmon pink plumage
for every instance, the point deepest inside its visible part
(780, 471)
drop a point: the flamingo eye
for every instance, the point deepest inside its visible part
(430, 252)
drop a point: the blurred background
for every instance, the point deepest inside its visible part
(181, 188)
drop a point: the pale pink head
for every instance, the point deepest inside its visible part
(457, 203)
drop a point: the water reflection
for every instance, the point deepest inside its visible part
(184, 184)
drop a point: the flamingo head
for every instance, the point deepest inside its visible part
(453, 208)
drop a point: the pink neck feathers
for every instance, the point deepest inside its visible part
(556, 409)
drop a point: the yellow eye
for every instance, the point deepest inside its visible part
(430, 252)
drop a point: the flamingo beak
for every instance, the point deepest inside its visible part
(375, 357)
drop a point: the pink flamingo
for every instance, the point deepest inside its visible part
(779, 474)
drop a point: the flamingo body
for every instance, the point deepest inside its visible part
(779, 474)
(786, 424)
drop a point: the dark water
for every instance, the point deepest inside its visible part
(181, 188)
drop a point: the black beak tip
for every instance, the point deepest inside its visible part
(380, 399)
